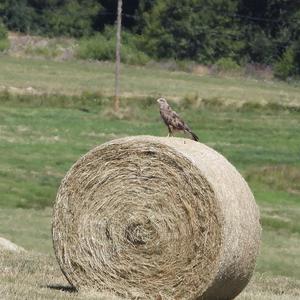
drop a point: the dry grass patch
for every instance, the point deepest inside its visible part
(73, 77)
(37, 276)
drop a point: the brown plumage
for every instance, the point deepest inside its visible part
(172, 119)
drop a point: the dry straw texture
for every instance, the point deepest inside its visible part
(156, 218)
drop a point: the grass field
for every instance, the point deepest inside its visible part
(76, 77)
(41, 136)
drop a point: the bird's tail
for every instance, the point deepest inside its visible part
(195, 137)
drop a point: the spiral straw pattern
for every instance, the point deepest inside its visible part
(150, 218)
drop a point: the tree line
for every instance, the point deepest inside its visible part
(244, 31)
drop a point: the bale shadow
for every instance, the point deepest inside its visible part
(60, 287)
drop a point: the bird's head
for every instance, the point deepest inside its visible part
(162, 102)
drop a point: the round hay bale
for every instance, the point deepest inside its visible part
(156, 218)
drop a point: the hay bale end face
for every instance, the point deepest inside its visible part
(149, 218)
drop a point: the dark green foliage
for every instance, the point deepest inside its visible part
(74, 18)
(270, 28)
(244, 31)
(261, 47)
(192, 29)
(297, 57)
(108, 15)
(18, 15)
(51, 17)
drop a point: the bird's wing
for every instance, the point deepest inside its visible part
(176, 122)
(173, 121)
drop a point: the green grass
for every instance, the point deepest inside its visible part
(30, 228)
(75, 77)
(43, 142)
(42, 136)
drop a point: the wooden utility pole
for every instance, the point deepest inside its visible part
(118, 58)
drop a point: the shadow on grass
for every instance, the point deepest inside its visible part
(64, 288)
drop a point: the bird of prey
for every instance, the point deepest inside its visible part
(172, 119)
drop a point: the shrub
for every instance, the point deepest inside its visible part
(133, 56)
(97, 48)
(226, 64)
(3, 31)
(4, 43)
(285, 66)
(102, 47)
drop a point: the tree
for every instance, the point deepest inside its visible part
(192, 29)
(108, 15)
(270, 27)
(51, 17)
(73, 18)
(17, 15)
